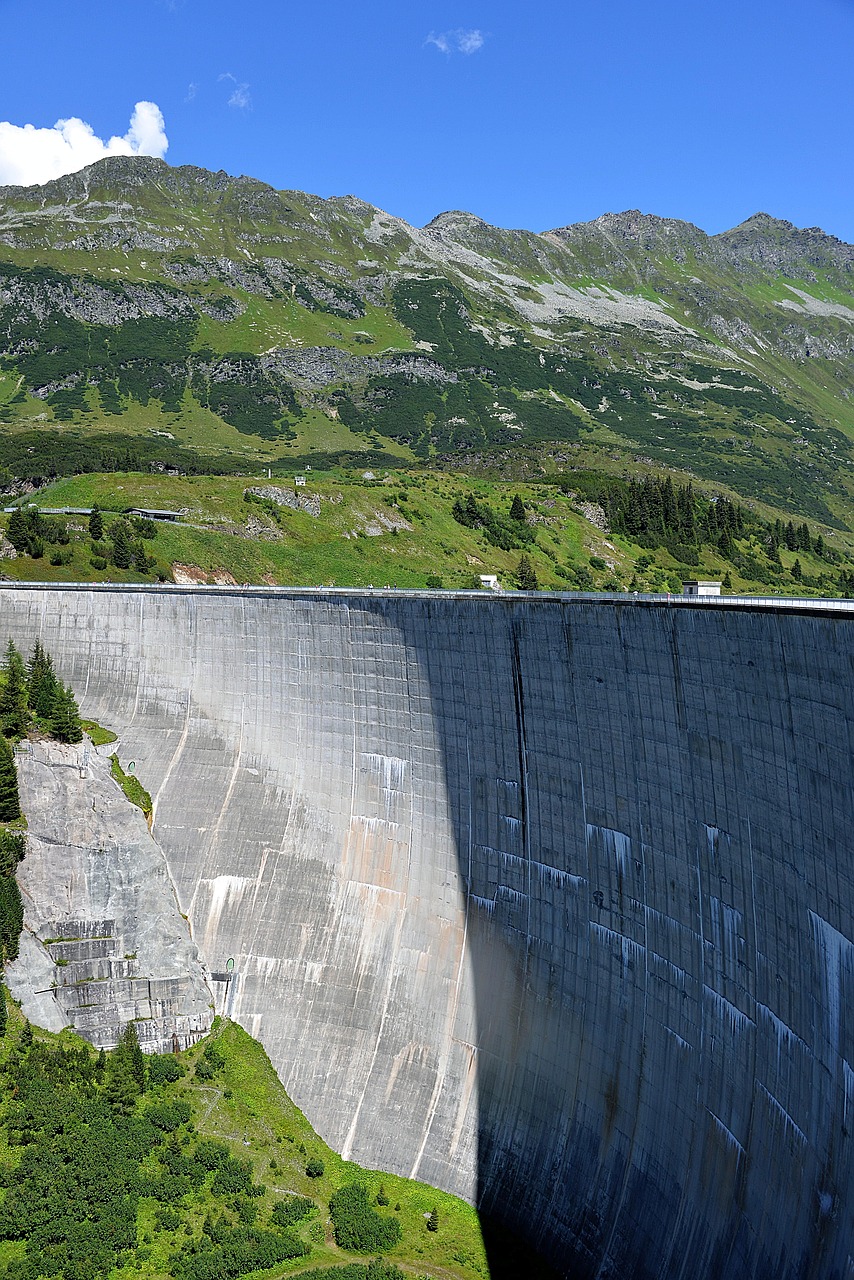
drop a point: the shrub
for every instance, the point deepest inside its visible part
(164, 1069)
(315, 1168)
(357, 1226)
(596, 562)
(292, 1210)
(99, 563)
(167, 1218)
(233, 1177)
(211, 1155)
(168, 1116)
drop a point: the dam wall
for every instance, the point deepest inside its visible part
(547, 902)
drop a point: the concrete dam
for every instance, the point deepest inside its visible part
(547, 902)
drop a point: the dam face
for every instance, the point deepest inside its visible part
(548, 903)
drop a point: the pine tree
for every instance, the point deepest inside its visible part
(725, 544)
(727, 581)
(526, 575)
(136, 1057)
(18, 532)
(13, 699)
(122, 545)
(11, 917)
(141, 561)
(10, 804)
(2, 1010)
(41, 681)
(517, 508)
(797, 571)
(65, 717)
(433, 1220)
(121, 1078)
(96, 524)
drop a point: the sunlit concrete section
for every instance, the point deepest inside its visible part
(549, 903)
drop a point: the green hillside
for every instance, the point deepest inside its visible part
(197, 1166)
(577, 530)
(159, 319)
(176, 323)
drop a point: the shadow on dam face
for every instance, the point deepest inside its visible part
(564, 891)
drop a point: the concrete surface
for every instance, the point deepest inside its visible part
(548, 903)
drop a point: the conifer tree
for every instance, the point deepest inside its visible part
(42, 683)
(517, 508)
(96, 524)
(13, 699)
(121, 1086)
(122, 545)
(18, 532)
(65, 717)
(136, 1057)
(10, 804)
(526, 575)
(2, 1010)
(11, 917)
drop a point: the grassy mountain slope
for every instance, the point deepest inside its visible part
(150, 313)
(584, 529)
(197, 1166)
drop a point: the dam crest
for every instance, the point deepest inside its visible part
(547, 901)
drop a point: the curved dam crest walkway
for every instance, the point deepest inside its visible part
(548, 901)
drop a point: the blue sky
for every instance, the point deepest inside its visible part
(528, 115)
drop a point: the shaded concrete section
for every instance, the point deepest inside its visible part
(547, 903)
(104, 942)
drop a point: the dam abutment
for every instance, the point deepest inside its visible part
(549, 902)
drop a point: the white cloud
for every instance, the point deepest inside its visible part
(469, 41)
(29, 155)
(239, 96)
(192, 90)
(459, 40)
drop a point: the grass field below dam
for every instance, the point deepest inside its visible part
(221, 1103)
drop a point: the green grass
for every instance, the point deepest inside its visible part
(97, 734)
(244, 1106)
(131, 786)
(335, 549)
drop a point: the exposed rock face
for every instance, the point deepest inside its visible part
(282, 497)
(104, 941)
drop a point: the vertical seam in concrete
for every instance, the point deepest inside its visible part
(452, 1012)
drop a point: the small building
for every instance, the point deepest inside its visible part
(299, 482)
(151, 514)
(700, 590)
(489, 582)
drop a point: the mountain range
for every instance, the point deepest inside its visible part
(178, 317)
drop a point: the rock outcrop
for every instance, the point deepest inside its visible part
(104, 940)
